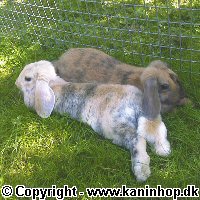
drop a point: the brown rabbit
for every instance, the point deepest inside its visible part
(160, 84)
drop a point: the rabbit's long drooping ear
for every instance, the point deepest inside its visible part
(151, 101)
(44, 98)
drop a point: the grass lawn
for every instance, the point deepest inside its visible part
(60, 151)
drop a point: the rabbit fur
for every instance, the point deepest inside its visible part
(83, 65)
(113, 111)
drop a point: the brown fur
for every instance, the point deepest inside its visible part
(152, 126)
(92, 65)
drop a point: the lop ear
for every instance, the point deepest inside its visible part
(44, 99)
(151, 101)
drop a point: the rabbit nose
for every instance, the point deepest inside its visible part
(17, 83)
(184, 101)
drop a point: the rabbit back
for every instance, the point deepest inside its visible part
(111, 110)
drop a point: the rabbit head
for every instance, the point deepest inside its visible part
(33, 81)
(162, 89)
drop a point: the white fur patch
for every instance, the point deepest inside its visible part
(141, 161)
(162, 145)
(158, 138)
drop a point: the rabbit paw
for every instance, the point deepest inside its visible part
(163, 148)
(142, 171)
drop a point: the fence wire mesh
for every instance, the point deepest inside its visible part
(140, 30)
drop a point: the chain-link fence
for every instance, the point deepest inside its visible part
(139, 30)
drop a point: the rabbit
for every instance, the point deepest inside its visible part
(113, 111)
(91, 65)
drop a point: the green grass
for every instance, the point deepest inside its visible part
(59, 150)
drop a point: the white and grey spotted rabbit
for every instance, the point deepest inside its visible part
(113, 111)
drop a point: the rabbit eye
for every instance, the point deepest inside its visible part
(27, 79)
(164, 86)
